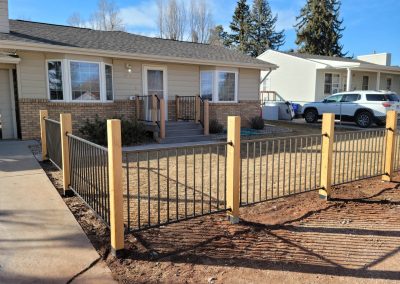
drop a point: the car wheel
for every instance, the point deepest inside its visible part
(311, 115)
(363, 119)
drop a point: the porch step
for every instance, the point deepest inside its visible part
(182, 132)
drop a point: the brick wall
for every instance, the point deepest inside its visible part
(29, 113)
(245, 109)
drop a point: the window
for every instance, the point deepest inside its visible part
(226, 86)
(206, 85)
(382, 98)
(109, 83)
(348, 98)
(365, 81)
(333, 99)
(389, 84)
(55, 80)
(332, 83)
(85, 81)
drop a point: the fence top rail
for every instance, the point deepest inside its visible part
(279, 138)
(374, 130)
(51, 120)
(87, 142)
(160, 149)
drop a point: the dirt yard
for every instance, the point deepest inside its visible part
(355, 237)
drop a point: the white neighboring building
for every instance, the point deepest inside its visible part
(307, 78)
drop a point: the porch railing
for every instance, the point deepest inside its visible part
(185, 107)
(151, 108)
(203, 113)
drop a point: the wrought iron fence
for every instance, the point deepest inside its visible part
(358, 155)
(53, 140)
(278, 167)
(89, 175)
(173, 184)
(186, 107)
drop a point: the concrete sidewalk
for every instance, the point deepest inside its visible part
(40, 240)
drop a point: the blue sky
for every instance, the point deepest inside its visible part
(370, 25)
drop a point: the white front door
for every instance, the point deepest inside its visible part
(6, 111)
(155, 83)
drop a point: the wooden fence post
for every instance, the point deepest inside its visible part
(197, 109)
(176, 107)
(65, 127)
(43, 114)
(391, 130)
(115, 185)
(328, 133)
(162, 118)
(233, 169)
(206, 117)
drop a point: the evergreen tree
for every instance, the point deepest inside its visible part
(240, 27)
(319, 28)
(262, 32)
(218, 36)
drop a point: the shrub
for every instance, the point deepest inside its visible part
(133, 132)
(257, 123)
(215, 126)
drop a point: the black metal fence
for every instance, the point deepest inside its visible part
(167, 185)
(53, 140)
(187, 107)
(358, 155)
(89, 175)
(278, 167)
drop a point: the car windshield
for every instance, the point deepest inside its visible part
(382, 98)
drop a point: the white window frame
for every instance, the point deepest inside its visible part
(67, 82)
(105, 82)
(391, 83)
(212, 82)
(215, 94)
(145, 68)
(339, 84)
(65, 94)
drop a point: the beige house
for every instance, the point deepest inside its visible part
(88, 72)
(307, 78)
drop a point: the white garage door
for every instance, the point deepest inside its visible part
(6, 113)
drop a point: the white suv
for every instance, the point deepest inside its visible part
(362, 107)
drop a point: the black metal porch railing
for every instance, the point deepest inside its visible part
(53, 140)
(186, 107)
(143, 107)
(168, 185)
(276, 167)
(89, 175)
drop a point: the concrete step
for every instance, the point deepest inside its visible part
(184, 139)
(183, 132)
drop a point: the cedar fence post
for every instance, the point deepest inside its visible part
(43, 114)
(391, 130)
(328, 132)
(65, 128)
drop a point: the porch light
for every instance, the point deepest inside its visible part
(129, 67)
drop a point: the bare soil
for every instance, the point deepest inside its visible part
(354, 237)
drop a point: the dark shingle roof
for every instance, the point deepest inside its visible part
(116, 41)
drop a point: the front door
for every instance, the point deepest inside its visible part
(155, 83)
(7, 130)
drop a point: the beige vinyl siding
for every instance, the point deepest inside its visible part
(249, 84)
(32, 75)
(395, 82)
(183, 80)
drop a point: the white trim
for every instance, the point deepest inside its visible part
(145, 68)
(216, 93)
(62, 79)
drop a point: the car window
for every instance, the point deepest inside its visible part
(348, 98)
(382, 97)
(333, 99)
